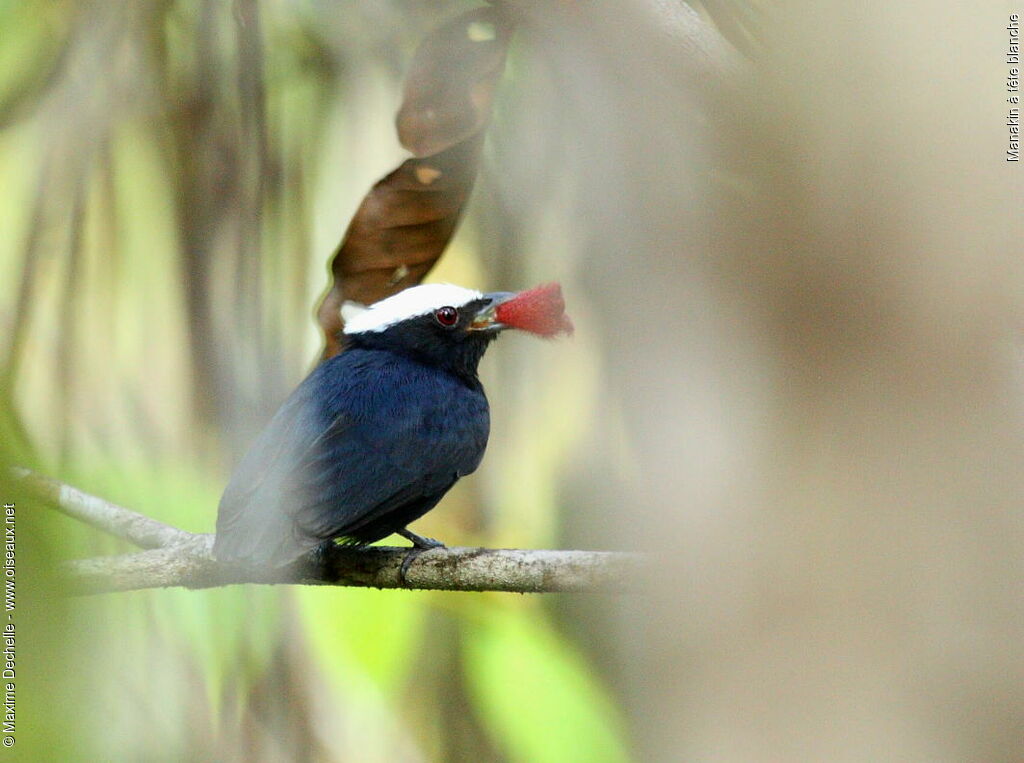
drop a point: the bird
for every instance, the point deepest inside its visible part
(374, 437)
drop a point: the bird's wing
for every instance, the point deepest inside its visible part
(320, 471)
(253, 517)
(362, 472)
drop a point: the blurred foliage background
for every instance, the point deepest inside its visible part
(177, 175)
(797, 374)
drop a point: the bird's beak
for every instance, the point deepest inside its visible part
(485, 319)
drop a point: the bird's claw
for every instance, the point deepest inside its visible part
(419, 545)
(419, 541)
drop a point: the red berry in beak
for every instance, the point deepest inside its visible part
(540, 310)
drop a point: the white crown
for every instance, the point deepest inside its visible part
(409, 303)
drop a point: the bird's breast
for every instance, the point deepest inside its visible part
(390, 398)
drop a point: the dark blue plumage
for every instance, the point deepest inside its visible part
(370, 440)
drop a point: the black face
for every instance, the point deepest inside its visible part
(447, 337)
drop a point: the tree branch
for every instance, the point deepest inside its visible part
(137, 529)
(443, 569)
(179, 558)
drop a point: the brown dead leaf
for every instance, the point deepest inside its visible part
(399, 231)
(450, 86)
(407, 219)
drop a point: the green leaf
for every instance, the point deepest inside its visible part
(537, 696)
(364, 631)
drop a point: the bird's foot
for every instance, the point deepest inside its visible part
(418, 541)
(419, 545)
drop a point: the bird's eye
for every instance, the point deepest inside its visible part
(447, 316)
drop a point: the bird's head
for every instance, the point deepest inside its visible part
(450, 326)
